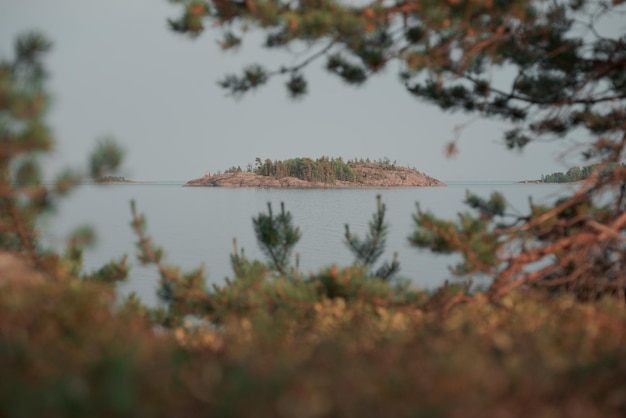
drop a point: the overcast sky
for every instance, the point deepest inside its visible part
(116, 69)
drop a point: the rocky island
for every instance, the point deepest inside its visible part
(305, 173)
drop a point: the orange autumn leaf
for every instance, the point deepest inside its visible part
(293, 24)
(197, 10)
(451, 149)
(369, 13)
(251, 5)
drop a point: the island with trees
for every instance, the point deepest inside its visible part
(323, 172)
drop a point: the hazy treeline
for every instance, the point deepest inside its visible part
(109, 179)
(324, 169)
(576, 173)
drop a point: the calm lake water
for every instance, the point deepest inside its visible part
(197, 225)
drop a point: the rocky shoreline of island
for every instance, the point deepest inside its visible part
(367, 174)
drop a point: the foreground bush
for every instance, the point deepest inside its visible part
(67, 349)
(534, 355)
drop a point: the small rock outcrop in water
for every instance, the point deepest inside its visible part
(370, 174)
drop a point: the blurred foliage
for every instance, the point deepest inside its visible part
(67, 351)
(562, 76)
(542, 341)
(24, 198)
(71, 350)
(446, 52)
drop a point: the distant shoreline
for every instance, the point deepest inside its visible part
(532, 182)
(115, 182)
(551, 182)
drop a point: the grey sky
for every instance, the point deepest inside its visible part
(116, 69)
